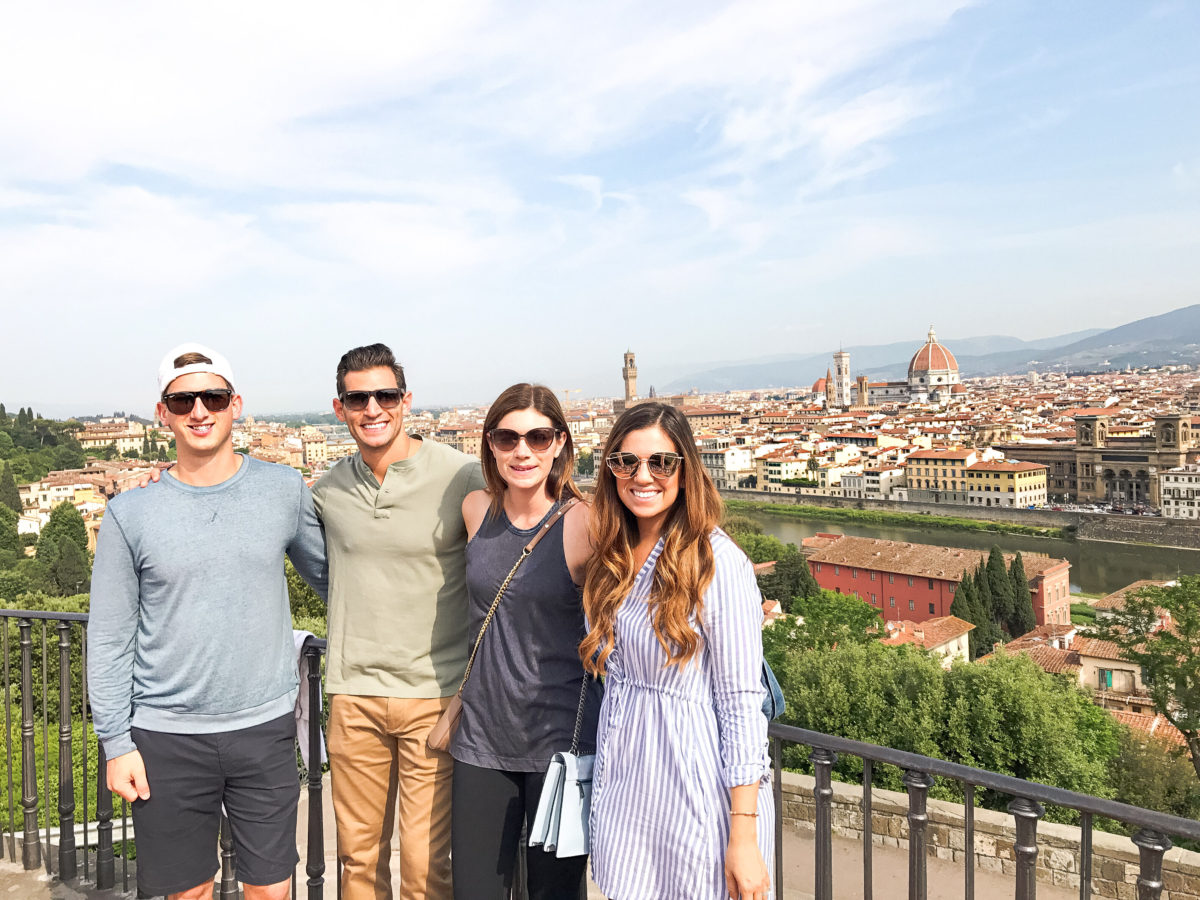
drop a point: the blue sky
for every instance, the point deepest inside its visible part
(521, 191)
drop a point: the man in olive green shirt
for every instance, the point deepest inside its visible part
(398, 645)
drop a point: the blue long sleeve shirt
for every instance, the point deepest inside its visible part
(190, 625)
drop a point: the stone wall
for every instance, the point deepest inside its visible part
(1114, 858)
(1121, 529)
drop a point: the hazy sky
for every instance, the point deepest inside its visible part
(521, 191)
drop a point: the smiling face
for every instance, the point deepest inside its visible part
(200, 432)
(523, 468)
(649, 498)
(374, 429)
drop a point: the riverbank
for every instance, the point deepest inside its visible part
(889, 517)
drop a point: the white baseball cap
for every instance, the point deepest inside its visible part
(168, 373)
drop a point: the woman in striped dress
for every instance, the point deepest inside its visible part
(681, 803)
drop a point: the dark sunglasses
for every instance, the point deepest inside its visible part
(536, 439)
(180, 403)
(661, 464)
(387, 398)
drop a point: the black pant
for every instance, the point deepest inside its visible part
(489, 808)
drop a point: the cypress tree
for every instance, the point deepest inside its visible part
(22, 418)
(9, 538)
(1023, 618)
(9, 495)
(3, 415)
(70, 569)
(1001, 587)
(65, 524)
(966, 607)
(983, 595)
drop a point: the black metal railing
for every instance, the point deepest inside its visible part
(1152, 839)
(91, 856)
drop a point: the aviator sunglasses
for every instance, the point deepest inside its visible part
(661, 464)
(180, 403)
(356, 401)
(536, 439)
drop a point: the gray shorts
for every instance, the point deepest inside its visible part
(251, 771)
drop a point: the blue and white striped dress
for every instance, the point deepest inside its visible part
(672, 741)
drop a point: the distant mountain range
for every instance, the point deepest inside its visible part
(1170, 339)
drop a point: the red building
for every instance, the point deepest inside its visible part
(917, 581)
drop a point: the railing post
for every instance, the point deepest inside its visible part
(106, 872)
(1151, 847)
(31, 856)
(823, 761)
(315, 866)
(229, 886)
(66, 762)
(777, 792)
(1026, 812)
(918, 784)
(868, 830)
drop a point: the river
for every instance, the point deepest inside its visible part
(1096, 568)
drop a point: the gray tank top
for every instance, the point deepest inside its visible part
(520, 702)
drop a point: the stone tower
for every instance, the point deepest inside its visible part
(629, 373)
(841, 379)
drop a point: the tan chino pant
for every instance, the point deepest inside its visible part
(380, 766)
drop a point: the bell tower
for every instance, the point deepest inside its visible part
(629, 374)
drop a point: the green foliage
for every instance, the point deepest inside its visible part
(9, 538)
(65, 522)
(791, 579)
(1007, 715)
(832, 620)
(305, 602)
(1001, 589)
(1082, 614)
(799, 482)
(34, 446)
(585, 463)
(70, 570)
(825, 514)
(1169, 657)
(760, 547)
(735, 525)
(9, 496)
(1023, 618)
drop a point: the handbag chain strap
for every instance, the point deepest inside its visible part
(579, 714)
(528, 548)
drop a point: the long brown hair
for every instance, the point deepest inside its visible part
(684, 569)
(540, 398)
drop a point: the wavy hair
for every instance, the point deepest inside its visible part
(541, 399)
(684, 569)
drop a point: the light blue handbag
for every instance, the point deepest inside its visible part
(561, 823)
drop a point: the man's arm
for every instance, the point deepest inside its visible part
(112, 633)
(307, 547)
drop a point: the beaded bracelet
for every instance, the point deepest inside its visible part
(733, 813)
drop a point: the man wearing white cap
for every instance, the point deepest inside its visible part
(191, 662)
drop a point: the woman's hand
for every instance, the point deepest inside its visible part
(746, 875)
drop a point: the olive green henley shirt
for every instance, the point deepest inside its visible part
(397, 573)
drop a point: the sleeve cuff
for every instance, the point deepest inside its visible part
(118, 745)
(749, 773)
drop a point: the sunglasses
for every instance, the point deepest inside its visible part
(356, 401)
(661, 464)
(536, 439)
(180, 403)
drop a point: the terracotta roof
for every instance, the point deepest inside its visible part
(1155, 726)
(930, 634)
(1116, 599)
(932, 357)
(1049, 659)
(946, 453)
(924, 560)
(1086, 646)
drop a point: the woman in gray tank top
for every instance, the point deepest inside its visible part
(520, 702)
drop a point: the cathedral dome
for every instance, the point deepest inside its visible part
(932, 357)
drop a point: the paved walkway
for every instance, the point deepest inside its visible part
(945, 879)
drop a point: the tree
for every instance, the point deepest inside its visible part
(790, 579)
(9, 538)
(585, 463)
(1158, 629)
(65, 522)
(760, 547)
(1001, 588)
(22, 418)
(833, 620)
(1023, 619)
(305, 602)
(70, 570)
(1153, 775)
(966, 607)
(3, 415)
(735, 525)
(9, 495)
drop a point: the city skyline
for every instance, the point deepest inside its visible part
(509, 193)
